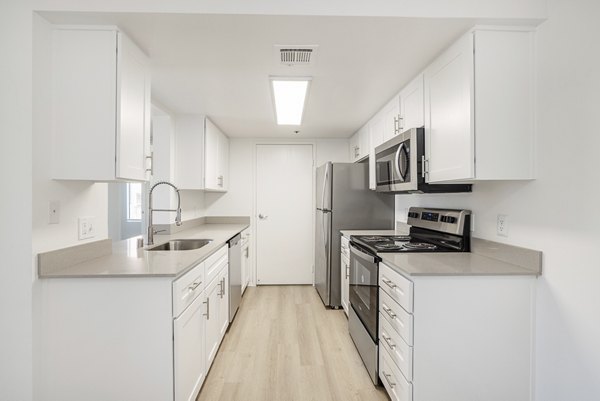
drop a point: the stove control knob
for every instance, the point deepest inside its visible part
(448, 219)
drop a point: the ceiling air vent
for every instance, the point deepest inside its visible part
(296, 55)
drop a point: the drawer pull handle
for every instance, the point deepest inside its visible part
(389, 311)
(387, 378)
(194, 285)
(389, 283)
(388, 340)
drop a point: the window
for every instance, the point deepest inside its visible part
(134, 201)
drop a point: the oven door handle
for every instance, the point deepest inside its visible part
(362, 255)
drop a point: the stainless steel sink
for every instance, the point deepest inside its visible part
(181, 245)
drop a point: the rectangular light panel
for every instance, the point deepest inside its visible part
(289, 96)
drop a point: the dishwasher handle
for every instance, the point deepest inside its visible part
(235, 240)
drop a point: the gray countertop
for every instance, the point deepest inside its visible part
(127, 260)
(451, 264)
(486, 258)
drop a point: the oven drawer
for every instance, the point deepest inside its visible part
(400, 352)
(397, 317)
(398, 388)
(396, 286)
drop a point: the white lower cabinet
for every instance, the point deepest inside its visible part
(246, 262)
(223, 303)
(345, 273)
(212, 320)
(456, 338)
(398, 388)
(189, 361)
(217, 313)
(157, 345)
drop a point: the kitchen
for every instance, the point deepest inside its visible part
(566, 325)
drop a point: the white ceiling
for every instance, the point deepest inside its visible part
(219, 65)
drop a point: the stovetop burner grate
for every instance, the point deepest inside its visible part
(419, 245)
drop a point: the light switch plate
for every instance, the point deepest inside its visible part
(87, 227)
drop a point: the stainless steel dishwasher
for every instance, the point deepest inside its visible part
(235, 275)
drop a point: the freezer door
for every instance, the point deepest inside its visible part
(323, 255)
(323, 189)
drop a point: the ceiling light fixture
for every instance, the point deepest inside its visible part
(289, 96)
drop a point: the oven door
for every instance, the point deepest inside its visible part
(396, 163)
(363, 288)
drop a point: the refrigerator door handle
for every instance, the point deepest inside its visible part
(324, 187)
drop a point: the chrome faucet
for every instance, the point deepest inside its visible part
(151, 230)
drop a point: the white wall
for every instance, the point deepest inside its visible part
(558, 212)
(16, 367)
(77, 199)
(238, 200)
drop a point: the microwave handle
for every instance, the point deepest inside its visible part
(397, 162)
(362, 255)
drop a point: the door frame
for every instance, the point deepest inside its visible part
(254, 217)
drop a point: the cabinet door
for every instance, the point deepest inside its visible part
(390, 115)
(223, 170)
(223, 303)
(84, 104)
(364, 141)
(245, 266)
(412, 105)
(134, 111)
(188, 352)
(354, 147)
(449, 133)
(189, 151)
(211, 156)
(345, 283)
(212, 321)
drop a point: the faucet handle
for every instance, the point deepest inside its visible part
(158, 231)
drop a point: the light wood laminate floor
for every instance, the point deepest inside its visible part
(285, 346)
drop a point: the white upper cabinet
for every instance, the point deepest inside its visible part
(360, 144)
(189, 152)
(412, 106)
(388, 117)
(201, 154)
(100, 105)
(216, 153)
(479, 108)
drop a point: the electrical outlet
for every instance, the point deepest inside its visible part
(87, 227)
(54, 212)
(502, 225)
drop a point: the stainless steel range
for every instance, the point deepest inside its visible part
(432, 230)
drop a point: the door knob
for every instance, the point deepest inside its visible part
(262, 217)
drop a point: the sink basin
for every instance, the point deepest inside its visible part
(181, 245)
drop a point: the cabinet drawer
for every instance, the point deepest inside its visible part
(187, 288)
(215, 262)
(345, 247)
(398, 287)
(398, 388)
(400, 352)
(397, 317)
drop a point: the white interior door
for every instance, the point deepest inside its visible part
(285, 214)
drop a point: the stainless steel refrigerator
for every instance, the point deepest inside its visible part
(344, 202)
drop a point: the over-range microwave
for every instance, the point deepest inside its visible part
(400, 166)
